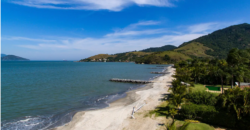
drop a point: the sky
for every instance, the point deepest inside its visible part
(77, 29)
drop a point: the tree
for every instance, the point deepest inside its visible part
(222, 71)
(197, 71)
(178, 92)
(232, 99)
(233, 60)
(166, 58)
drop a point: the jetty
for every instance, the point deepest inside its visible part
(130, 81)
(159, 72)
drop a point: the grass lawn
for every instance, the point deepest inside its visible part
(225, 86)
(193, 126)
(198, 126)
(200, 87)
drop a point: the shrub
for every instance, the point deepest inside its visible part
(194, 111)
(205, 98)
(209, 114)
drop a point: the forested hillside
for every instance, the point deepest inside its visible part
(221, 41)
(214, 45)
(119, 57)
(157, 49)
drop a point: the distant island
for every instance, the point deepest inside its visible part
(12, 58)
(2, 55)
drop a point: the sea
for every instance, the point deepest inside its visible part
(46, 94)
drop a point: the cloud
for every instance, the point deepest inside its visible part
(129, 38)
(137, 29)
(114, 45)
(113, 5)
(204, 27)
(27, 39)
(136, 33)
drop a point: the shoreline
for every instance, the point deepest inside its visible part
(117, 116)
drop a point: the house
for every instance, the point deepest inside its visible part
(243, 85)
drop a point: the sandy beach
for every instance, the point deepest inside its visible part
(118, 115)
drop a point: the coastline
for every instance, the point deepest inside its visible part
(118, 115)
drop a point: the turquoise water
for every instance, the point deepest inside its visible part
(40, 95)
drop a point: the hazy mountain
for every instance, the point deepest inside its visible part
(2, 55)
(13, 58)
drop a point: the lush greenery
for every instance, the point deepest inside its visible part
(202, 97)
(229, 109)
(157, 49)
(215, 71)
(119, 57)
(194, 49)
(221, 41)
(162, 58)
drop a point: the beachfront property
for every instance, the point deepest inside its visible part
(243, 85)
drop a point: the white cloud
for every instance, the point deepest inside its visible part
(135, 29)
(113, 5)
(27, 39)
(136, 33)
(126, 39)
(114, 45)
(204, 27)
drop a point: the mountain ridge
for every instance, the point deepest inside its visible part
(222, 40)
(214, 45)
(13, 58)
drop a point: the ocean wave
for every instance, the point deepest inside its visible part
(52, 121)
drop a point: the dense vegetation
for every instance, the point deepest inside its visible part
(216, 71)
(229, 109)
(162, 58)
(221, 41)
(157, 49)
(214, 45)
(119, 57)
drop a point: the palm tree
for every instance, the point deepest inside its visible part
(222, 71)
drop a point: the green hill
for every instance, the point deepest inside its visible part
(194, 49)
(122, 57)
(163, 48)
(165, 57)
(13, 58)
(221, 41)
(127, 56)
(214, 45)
